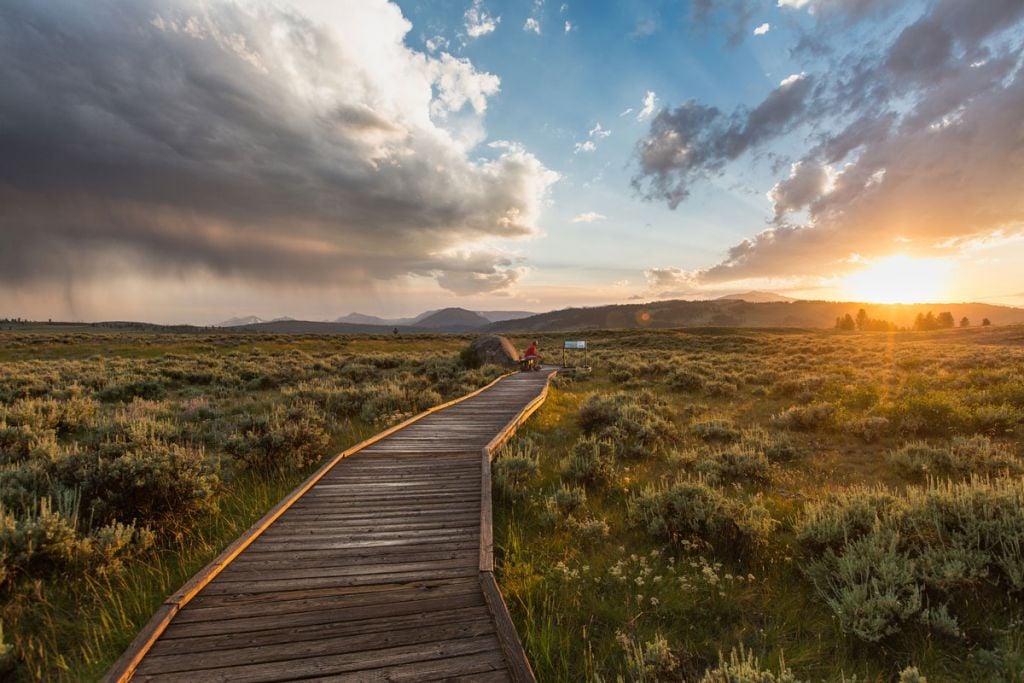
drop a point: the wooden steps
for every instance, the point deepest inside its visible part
(379, 567)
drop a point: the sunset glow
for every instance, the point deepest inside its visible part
(900, 279)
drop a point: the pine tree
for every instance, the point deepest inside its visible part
(862, 320)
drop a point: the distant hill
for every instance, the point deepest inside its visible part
(491, 317)
(238, 322)
(454, 319)
(739, 313)
(755, 297)
(502, 316)
(363, 319)
(315, 327)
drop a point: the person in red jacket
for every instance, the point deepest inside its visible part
(532, 357)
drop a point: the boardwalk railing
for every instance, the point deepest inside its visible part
(410, 462)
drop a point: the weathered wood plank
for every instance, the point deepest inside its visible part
(275, 622)
(328, 643)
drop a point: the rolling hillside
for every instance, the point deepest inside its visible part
(739, 313)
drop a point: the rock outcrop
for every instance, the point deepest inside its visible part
(494, 349)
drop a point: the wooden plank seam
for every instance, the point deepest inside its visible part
(125, 666)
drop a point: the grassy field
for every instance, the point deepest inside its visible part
(129, 460)
(772, 506)
(715, 504)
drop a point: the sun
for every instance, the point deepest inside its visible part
(900, 279)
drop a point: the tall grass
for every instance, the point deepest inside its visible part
(807, 507)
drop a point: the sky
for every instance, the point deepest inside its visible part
(194, 160)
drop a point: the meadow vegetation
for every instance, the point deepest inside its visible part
(772, 506)
(128, 461)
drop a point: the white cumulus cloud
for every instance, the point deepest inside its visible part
(478, 21)
(588, 217)
(650, 102)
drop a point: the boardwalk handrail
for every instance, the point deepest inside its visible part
(125, 666)
(519, 664)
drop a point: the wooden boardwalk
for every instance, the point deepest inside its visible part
(379, 567)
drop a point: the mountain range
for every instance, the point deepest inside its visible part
(751, 309)
(429, 319)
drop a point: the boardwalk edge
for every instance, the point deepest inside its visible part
(511, 644)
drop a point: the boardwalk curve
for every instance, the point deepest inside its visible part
(377, 567)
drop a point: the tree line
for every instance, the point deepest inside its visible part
(923, 322)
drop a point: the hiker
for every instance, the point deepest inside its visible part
(532, 357)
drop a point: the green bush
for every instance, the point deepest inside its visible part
(961, 457)
(122, 393)
(46, 541)
(639, 424)
(928, 413)
(695, 511)
(714, 430)
(143, 478)
(515, 466)
(871, 587)
(686, 380)
(882, 561)
(736, 464)
(568, 500)
(743, 667)
(806, 418)
(591, 460)
(870, 429)
(284, 439)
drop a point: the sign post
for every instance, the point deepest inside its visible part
(574, 346)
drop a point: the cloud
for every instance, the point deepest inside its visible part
(626, 112)
(436, 43)
(644, 28)
(762, 29)
(568, 26)
(854, 9)
(693, 141)
(532, 25)
(649, 104)
(669, 281)
(598, 133)
(466, 274)
(478, 21)
(588, 217)
(916, 146)
(807, 182)
(593, 136)
(246, 142)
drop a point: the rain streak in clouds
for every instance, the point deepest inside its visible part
(919, 143)
(242, 140)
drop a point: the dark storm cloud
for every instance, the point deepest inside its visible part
(915, 142)
(693, 141)
(242, 140)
